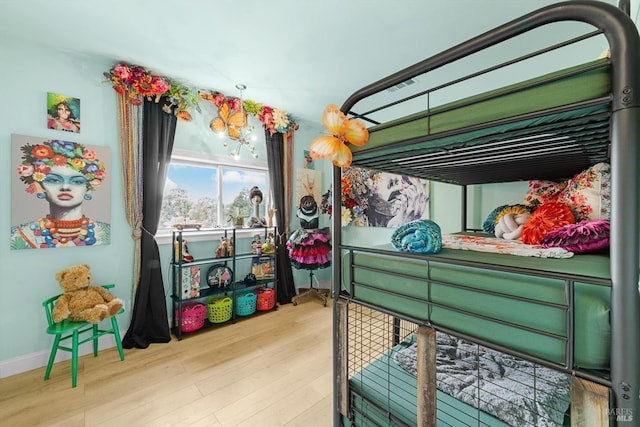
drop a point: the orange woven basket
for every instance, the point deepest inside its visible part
(266, 298)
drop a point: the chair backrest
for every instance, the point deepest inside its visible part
(48, 304)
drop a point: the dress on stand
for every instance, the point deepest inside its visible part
(310, 248)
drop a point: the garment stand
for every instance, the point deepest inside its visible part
(311, 292)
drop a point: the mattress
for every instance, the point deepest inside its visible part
(384, 392)
(489, 297)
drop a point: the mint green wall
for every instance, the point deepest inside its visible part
(28, 276)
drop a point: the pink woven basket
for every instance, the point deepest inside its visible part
(193, 315)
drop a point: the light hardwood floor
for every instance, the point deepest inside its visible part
(273, 369)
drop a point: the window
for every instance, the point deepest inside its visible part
(194, 188)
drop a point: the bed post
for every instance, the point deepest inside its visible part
(463, 209)
(339, 307)
(589, 403)
(426, 377)
(342, 392)
(625, 235)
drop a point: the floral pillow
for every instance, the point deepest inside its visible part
(545, 218)
(542, 191)
(589, 235)
(588, 193)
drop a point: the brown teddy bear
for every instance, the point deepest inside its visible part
(81, 301)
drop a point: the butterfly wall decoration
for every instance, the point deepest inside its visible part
(342, 130)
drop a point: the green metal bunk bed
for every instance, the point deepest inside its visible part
(578, 316)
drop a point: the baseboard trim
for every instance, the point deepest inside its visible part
(38, 360)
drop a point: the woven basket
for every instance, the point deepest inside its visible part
(266, 298)
(246, 304)
(220, 310)
(193, 314)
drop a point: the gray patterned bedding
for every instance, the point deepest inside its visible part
(516, 391)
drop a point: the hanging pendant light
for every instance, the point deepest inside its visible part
(245, 133)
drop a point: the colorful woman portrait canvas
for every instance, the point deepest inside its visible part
(63, 112)
(60, 194)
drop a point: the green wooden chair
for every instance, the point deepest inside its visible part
(69, 335)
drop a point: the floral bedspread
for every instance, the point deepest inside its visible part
(500, 246)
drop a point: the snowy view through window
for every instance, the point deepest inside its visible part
(192, 194)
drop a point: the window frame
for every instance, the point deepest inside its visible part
(189, 158)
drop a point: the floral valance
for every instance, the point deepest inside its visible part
(136, 82)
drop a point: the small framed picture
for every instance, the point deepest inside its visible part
(63, 112)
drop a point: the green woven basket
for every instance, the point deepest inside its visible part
(219, 310)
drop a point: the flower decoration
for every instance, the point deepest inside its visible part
(342, 130)
(325, 204)
(38, 159)
(355, 195)
(136, 82)
(273, 119)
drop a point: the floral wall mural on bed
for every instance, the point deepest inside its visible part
(377, 199)
(59, 194)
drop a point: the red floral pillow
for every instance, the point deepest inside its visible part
(545, 218)
(589, 235)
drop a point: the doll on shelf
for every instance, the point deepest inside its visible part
(186, 256)
(256, 245)
(268, 247)
(255, 195)
(225, 248)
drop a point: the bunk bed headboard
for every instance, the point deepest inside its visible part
(604, 127)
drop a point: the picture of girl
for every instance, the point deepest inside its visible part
(63, 113)
(63, 174)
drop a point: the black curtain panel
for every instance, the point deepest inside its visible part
(275, 155)
(149, 322)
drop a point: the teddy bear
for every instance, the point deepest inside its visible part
(81, 301)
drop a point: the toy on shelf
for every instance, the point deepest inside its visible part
(225, 248)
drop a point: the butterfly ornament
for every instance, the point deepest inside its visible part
(342, 130)
(229, 119)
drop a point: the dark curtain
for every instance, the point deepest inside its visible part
(275, 157)
(149, 322)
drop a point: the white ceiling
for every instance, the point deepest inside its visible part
(295, 55)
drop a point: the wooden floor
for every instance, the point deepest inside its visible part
(273, 369)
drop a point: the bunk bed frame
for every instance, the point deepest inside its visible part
(616, 141)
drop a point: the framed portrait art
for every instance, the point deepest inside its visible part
(60, 194)
(63, 112)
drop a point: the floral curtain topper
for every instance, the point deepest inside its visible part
(136, 82)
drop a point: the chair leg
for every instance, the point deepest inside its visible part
(116, 335)
(95, 340)
(74, 358)
(52, 356)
